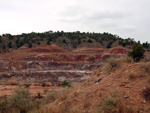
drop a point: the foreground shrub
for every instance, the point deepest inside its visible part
(51, 96)
(66, 83)
(61, 95)
(114, 104)
(21, 100)
(4, 105)
(112, 64)
(110, 104)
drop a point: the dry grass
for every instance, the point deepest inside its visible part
(114, 105)
(132, 75)
(112, 64)
(128, 59)
(146, 67)
(96, 72)
(12, 82)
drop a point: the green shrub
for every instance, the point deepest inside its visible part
(4, 105)
(137, 52)
(43, 84)
(27, 85)
(65, 83)
(114, 104)
(110, 104)
(21, 100)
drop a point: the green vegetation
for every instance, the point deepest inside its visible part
(48, 42)
(65, 83)
(27, 85)
(21, 101)
(110, 104)
(51, 96)
(72, 39)
(9, 44)
(30, 45)
(137, 53)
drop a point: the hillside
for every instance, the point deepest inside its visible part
(50, 63)
(66, 40)
(126, 83)
(60, 72)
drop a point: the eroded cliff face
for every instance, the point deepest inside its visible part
(53, 64)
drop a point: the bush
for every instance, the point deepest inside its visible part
(27, 85)
(66, 83)
(90, 41)
(46, 84)
(43, 84)
(48, 42)
(132, 75)
(30, 45)
(112, 63)
(51, 96)
(137, 53)
(21, 100)
(4, 105)
(113, 104)
(110, 104)
(12, 82)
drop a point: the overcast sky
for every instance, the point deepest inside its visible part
(126, 18)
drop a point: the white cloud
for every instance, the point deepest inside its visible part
(127, 18)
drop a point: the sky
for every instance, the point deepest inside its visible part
(125, 18)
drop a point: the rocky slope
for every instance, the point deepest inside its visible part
(54, 64)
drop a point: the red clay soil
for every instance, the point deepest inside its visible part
(118, 50)
(54, 53)
(91, 94)
(90, 50)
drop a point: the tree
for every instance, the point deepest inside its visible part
(137, 53)
(0, 40)
(30, 45)
(4, 47)
(10, 44)
(90, 41)
(64, 41)
(38, 43)
(48, 42)
(109, 45)
(145, 45)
